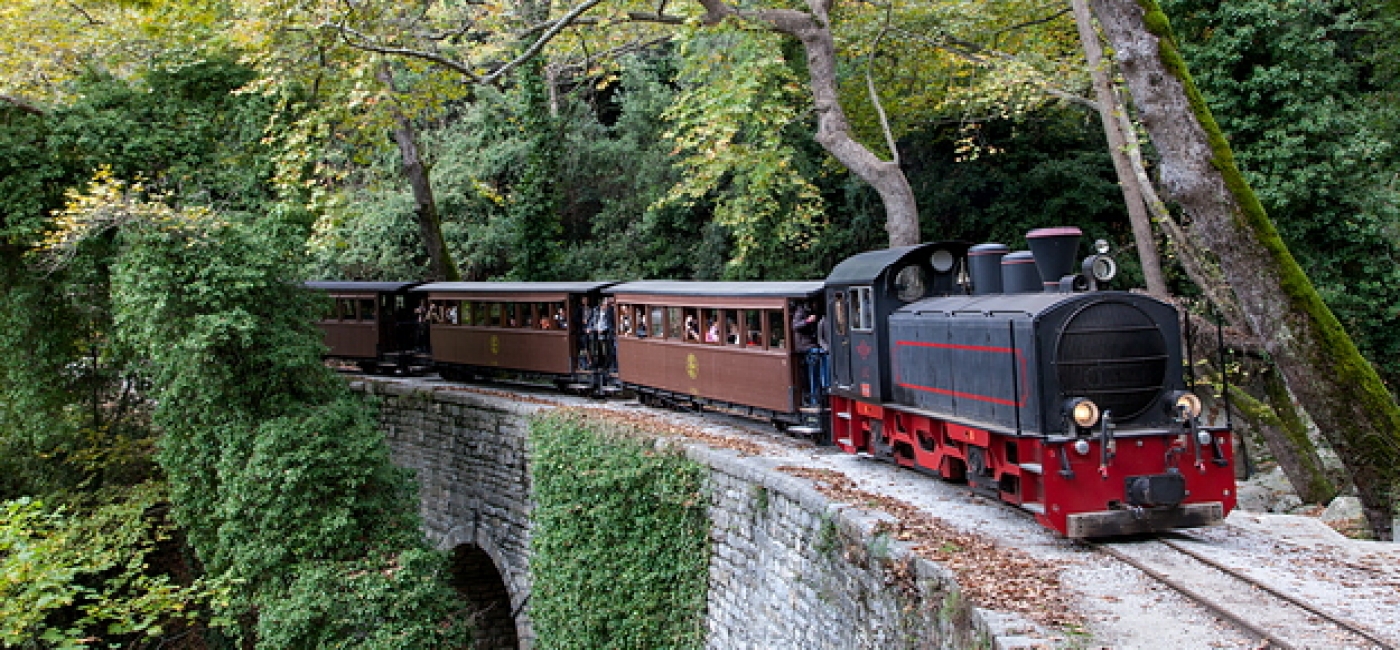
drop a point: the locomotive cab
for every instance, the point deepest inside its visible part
(862, 292)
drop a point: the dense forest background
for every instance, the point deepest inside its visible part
(168, 168)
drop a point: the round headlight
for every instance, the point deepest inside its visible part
(1189, 403)
(1101, 246)
(1084, 412)
(1103, 268)
(1081, 447)
(1203, 437)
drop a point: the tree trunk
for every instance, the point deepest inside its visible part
(1276, 418)
(833, 129)
(1320, 363)
(440, 264)
(1117, 148)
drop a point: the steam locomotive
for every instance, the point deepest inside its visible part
(1012, 371)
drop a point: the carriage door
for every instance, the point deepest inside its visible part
(838, 313)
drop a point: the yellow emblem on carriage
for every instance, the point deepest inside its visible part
(495, 344)
(692, 366)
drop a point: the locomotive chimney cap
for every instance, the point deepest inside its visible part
(1054, 250)
(1058, 231)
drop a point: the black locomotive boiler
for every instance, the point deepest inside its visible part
(1010, 372)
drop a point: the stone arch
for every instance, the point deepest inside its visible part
(475, 576)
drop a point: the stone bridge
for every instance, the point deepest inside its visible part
(770, 584)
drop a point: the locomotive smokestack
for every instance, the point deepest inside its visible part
(984, 265)
(1054, 250)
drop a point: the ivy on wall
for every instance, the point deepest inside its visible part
(620, 541)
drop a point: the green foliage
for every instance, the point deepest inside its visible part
(278, 474)
(1300, 89)
(181, 128)
(620, 539)
(377, 602)
(68, 580)
(534, 201)
(30, 176)
(740, 95)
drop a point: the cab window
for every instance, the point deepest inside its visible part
(862, 310)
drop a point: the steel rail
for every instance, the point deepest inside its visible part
(1349, 625)
(1272, 639)
(1196, 596)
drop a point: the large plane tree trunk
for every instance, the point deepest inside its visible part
(813, 29)
(1338, 388)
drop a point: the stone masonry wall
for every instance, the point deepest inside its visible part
(788, 568)
(467, 452)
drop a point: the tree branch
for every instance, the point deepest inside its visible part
(544, 39)
(870, 86)
(86, 16)
(22, 105)
(346, 32)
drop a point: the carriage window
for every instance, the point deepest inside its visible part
(714, 326)
(862, 310)
(453, 315)
(839, 308)
(642, 327)
(674, 320)
(366, 308)
(692, 325)
(493, 314)
(777, 330)
(656, 325)
(624, 320)
(345, 308)
(753, 328)
(732, 334)
(467, 313)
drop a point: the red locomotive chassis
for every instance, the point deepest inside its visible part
(1068, 491)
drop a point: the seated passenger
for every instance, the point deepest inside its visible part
(731, 333)
(712, 334)
(692, 329)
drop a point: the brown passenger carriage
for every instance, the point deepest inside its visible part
(726, 344)
(370, 324)
(530, 329)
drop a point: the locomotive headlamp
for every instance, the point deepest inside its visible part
(1084, 412)
(1081, 447)
(1187, 404)
(1101, 246)
(1103, 268)
(1203, 437)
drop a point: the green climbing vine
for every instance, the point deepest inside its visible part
(620, 544)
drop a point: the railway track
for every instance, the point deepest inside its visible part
(1277, 619)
